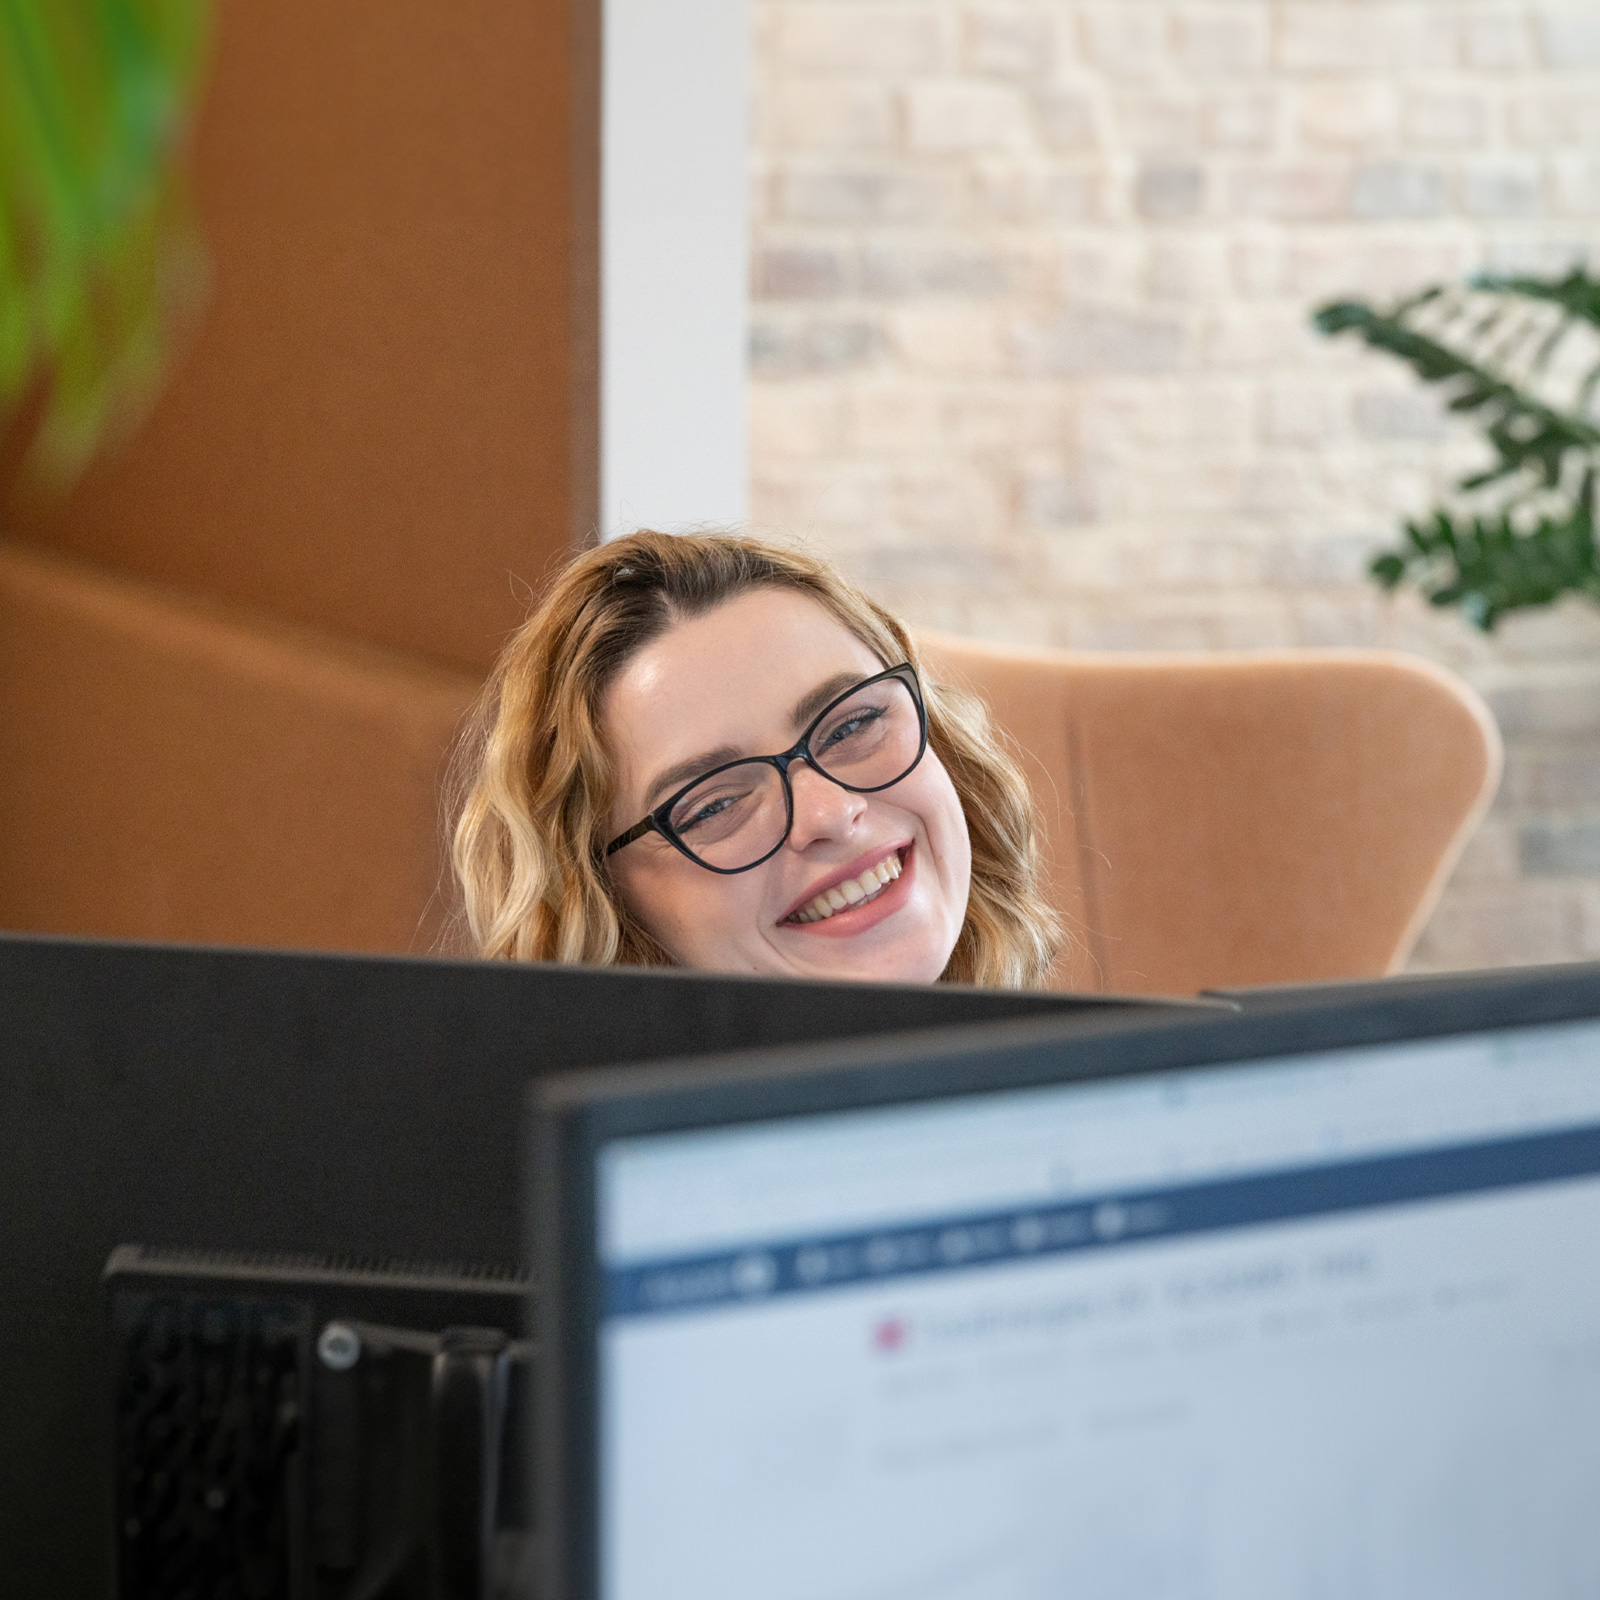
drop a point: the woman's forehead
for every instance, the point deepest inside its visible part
(729, 678)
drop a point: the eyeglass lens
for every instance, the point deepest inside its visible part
(735, 817)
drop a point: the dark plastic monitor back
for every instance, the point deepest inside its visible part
(280, 1102)
(293, 1428)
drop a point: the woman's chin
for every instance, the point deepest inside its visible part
(917, 955)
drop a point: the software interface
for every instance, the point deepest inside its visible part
(1302, 1330)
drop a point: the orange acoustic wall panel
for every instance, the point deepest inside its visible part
(232, 659)
(374, 429)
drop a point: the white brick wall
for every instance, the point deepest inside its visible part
(1031, 355)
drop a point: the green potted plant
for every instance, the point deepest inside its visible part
(1521, 356)
(99, 255)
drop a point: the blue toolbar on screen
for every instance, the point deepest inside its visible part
(1305, 1329)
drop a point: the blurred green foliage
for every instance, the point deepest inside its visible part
(99, 255)
(1521, 356)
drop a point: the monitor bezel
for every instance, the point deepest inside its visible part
(572, 1117)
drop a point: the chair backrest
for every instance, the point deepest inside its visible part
(1217, 820)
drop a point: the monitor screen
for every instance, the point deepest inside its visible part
(1324, 1325)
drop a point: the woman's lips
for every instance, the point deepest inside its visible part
(865, 914)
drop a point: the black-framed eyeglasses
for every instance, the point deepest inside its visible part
(738, 815)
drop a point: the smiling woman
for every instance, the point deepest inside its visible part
(715, 753)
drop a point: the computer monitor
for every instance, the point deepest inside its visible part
(266, 1101)
(1293, 1305)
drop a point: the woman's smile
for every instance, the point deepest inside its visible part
(854, 900)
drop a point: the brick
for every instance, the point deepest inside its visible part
(940, 267)
(823, 115)
(1165, 193)
(1346, 264)
(1560, 849)
(1192, 270)
(1346, 617)
(1539, 254)
(1199, 414)
(1386, 189)
(947, 117)
(1057, 499)
(1257, 337)
(779, 348)
(1067, 119)
(1018, 193)
(940, 499)
(789, 272)
(1160, 122)
(1008, 416)
(1125, 41)
(1562, 700)
(1499, 928)
(1242, 121)
(800, 496)
(1346, 115)
(795, 420)
(1259, 262)
(1081, 341)
(845, 194)
(1297, 413)
(952, 338)
(1318, 563)
(1552, 776)
(1490, 856)
(1071, 194)
(1445, 120)
(1011, 43)
(1567, 630)
(1366, 38)
(1569, 38)
(859, 41)
(1577, 185)
(1502, 189)
(1097, 268)
(1496, 42)
(1223, 40)
(895, 417)
(1299, 192)
(1400, 414)
(1555, 117)
(1277, 486)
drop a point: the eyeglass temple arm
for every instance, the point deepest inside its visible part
(637, 831)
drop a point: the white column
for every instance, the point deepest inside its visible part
(674, 263)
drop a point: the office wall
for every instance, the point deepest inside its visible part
(382, 432)
(1030, 349)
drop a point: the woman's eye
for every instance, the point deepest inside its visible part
(705, 813)
(852, 725)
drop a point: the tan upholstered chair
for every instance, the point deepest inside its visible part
(170, 769)
(1239, 819)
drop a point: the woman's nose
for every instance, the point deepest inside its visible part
(822, 810)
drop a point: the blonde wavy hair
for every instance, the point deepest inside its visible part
(534, 787)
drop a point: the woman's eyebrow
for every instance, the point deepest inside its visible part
(676, 776)
(821, 695)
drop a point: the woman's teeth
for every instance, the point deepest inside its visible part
(852, 892)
